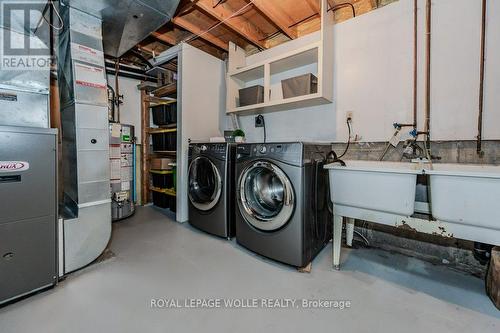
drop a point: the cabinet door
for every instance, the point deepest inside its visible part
(27, 256)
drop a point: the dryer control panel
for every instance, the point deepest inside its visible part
(218, 150)
(290, 152)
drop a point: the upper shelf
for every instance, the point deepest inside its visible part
(153, 101)
(282, 104)
(298, 59)
(166, 90)
(251, 73)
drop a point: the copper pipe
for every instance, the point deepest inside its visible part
(428, 73)
(415, 62)
(479, 147)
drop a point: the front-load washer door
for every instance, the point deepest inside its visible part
(205, 184)
(265, 196)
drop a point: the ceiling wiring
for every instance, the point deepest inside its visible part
(219, 23)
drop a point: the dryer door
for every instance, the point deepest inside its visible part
(265, 196)
(205, 184)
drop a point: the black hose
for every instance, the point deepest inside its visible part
(261, 119)
(348, 140)
(332, 155)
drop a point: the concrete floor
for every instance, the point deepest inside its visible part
(159, 258)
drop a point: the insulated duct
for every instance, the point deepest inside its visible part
(85, 139)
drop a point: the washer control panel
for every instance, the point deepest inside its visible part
(265, 149)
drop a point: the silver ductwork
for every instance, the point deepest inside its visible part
(24, 88)
(127, 22)
(85, 142)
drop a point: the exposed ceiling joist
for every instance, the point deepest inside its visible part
(193, 28)
(277, 16)
(146, 49)
(165, 37)
(237, 23)
(314, 4)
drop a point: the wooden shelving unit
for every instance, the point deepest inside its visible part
(167, 90)
(163, 95)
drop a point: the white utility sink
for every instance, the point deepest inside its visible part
(463, 199)
(466, 194)
(387, 187)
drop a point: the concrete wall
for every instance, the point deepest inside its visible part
(373, 77)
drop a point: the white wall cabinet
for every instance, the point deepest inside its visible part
(270, 67)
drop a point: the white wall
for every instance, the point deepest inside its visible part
(201, 102)
(130, 110)
(373, 77)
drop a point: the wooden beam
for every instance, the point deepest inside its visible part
(193, 28)
(277, 16)
(145, 123)
(165, 37)
(238, 23)
(147, 49)
(314, 4)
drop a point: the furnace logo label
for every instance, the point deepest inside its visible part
(12, 166)
(24, 35)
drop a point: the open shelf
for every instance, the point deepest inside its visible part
(297, 60)
(166, 191)
(161, 172)
(249, 74)
(161, 130)
(282, 104)
(305, 55)
(167, 90)
(153, 101)
(164, 152)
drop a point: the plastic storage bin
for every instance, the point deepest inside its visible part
(161, 199)
(300, 85)
(161, 163)
(164, 114)
(163, 178)
(172, 203)
(251, 95)
(164, 141)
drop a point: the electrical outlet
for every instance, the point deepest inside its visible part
(348, 116)
(259, 121)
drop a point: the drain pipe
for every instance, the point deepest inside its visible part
(479, 147)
